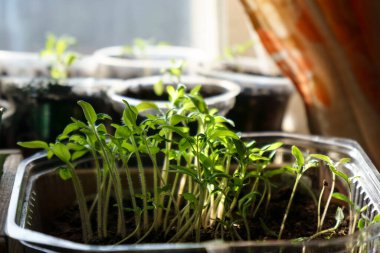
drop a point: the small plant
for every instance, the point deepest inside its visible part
(232, 52)
(139, 46)
(174, 72)
(56, 53)
(205, 177)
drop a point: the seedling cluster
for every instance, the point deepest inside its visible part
(203, 175)
(139, 46)
(56, 53)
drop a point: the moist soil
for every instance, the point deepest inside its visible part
(147, 93)
(301, 222)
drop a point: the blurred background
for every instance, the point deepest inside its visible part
(308, 33)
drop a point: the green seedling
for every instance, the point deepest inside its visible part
(139, 46)
(174, 73)
(204, 175)
(232, 52)
(56, 53)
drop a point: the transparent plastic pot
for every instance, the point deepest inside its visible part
(218, 94)
(39, 192)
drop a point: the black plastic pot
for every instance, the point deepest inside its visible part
(263, 99)
(44, 107)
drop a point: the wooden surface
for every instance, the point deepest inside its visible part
(6, 184)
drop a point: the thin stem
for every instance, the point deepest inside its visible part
(143, 184)
(328, 200)
(319, 226)
(298, 177)
(132, 195)
(83, 210)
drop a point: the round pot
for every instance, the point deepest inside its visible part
(28, 64)
(113, 62)
(22, 64)
(263, 100)
(218, 94)
(45, 107)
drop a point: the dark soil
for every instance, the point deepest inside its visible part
(301, 222)
(147, 93)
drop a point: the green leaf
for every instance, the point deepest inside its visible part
(78, 154)
(189, 197)
(70, 128)
(50, 42)
(64, 173)
(240, 147)
(158, 88)
(223, 133)
(342, 175)
(221, 119)
(344, 160)
(340, 196)
(88, 111)
(143, 106)
(274, 172)
(80, 124)
(129, 147)
(70, 58)
(199, 103)
(184, 170)
(103, 116)
(273, 146)
(376, 219)
(176, 118)
(61, 151)
(361, 224)
(205, 160)
(33, 144)
(300, 160)
(75, 146)
(322, 157)
(122, 131)
(129, 115)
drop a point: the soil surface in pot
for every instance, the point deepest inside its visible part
(301, 222)
(147, 93)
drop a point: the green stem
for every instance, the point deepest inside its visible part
(132, 194)
(298, 177)
(143, 184)
(319, 226)
(107, 195)
(83, 210)
(115, 176)
(328, 201)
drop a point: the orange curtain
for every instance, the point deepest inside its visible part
(331, 51)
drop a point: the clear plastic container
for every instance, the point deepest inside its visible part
(36, 196)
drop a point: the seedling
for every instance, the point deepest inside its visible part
(232, 52)
(139, 46)
(56, 53)
(174, 72)
(205, 179)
